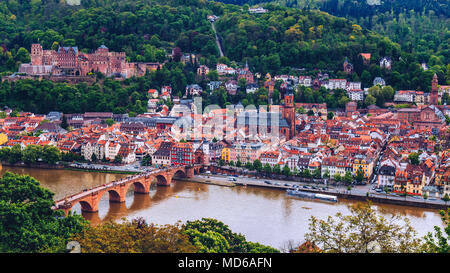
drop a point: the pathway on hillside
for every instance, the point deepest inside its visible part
(217, 39)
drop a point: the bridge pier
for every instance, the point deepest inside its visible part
(66, 211)
(190, 172)
(118, 194)
(164, 180)
(90, 202)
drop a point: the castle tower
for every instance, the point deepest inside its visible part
(37, 54)
(434, 90)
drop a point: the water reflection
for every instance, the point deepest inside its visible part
(134, 202)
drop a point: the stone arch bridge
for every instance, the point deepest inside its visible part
(89, 199)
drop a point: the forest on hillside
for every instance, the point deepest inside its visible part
(146, 29)
(282, 41)
(419, 26)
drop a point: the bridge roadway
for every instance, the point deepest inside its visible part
(117, 190)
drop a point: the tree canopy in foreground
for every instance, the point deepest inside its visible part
(27, 221)
(363, 231)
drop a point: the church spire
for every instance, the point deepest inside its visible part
(434, 90)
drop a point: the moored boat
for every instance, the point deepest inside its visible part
(312, 195)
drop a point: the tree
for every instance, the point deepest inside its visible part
(213, 236)
(31, 154)
(15, 154)
(221, 162)
(286, 170)
(386, 190)
(135, 236)
(439, 242)
(94, 158)
(146, 160)
(337, 177)
(359, 175)
(257, 165)
(118, 159)
(64, 123)
(213, 75)
(276, 169)
(363, 231)
(238, 163)
(51, 154)
(28, 222)
(306, 173)
(317, 173)
(348, 178)
(414, 158)
(22, 55)
(267, 169)
(330, 115)
(249, 166)
(446, 198)
(370, 100)
(109, 122)
(14, 113)
(326, 174)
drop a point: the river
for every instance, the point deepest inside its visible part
(263, 215)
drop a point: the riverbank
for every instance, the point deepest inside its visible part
(198, 179)
(66, 167)
(35, 165)
(357, 194)
(99, 171)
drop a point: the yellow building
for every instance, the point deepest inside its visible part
(366, 165)
(3, 139)
(225, 154)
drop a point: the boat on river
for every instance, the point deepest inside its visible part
(311, 195)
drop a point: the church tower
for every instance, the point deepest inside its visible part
(434, 90)
(289, 112)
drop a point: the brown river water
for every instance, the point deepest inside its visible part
(263, 215)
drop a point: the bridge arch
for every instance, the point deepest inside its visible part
(114, 196)
(180, 174)
(162, 180)
(140, 186)
(86, 206)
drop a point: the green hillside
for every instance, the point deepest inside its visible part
(419, 26)
(275, 42)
